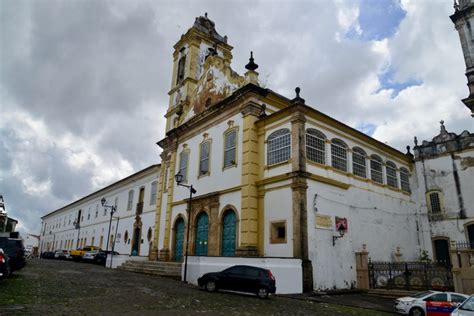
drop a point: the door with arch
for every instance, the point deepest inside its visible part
(136, 241)
(228, 233)
(442, 250)
(178, 239)
(202, 233)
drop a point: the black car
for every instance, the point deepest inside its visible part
(4, 265)
(242, 279)
(15, 250)
(47, 255)
(101, 257)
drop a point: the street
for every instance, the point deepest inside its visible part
(65, 287)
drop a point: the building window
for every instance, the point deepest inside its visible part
(130, 200)
(149, 234)
(391, 170)
(181, 66)
(154, 186)
(230, 148)
(278, 232)
(434, 201)
(204, 152)
(88, 214)
(315, 146)
(404, 179)
(359, 167)
(339, 154)
(183, 164)
(278, 147)
(376, 169)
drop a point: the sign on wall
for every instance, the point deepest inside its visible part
(341, 224)
(323, 222)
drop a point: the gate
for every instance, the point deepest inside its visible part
(410, 275)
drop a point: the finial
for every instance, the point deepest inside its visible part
(408, 150)
(297, 90)
(251, 65)
(298, 99)
(443, 129)
(416, 141)
(205, 15)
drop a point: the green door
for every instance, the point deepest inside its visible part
(202, 230)
(178, 240)
(228, 234)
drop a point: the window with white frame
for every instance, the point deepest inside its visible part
(154, 186)
(359, 167)
(130, 200)
(391, 170)
(183, 164)
(376, 169)
(278, 146)
(405, 179)
(205, 149)
(315, 146)
(339, 154)
(230, 147)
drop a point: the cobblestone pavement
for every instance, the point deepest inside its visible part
(64, 287)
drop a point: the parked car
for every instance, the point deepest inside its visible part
(242, 279)
(47, 255)
(430, 302)
(466, 308)
(62, 254)
(90, 255)
(15, 250)
(78, 253)
(101, 257)
(4, 265)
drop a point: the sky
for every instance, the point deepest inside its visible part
(83, 84)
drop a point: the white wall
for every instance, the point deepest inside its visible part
(287, 272)
(278, 207)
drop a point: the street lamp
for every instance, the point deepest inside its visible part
(113, 209)
(179, 180)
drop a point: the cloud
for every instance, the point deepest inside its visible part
(84, 84)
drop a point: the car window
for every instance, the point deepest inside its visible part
(234, 270)
(438, 297)
(251, 272)
(468, 304)
(421, 294)
(87, 249)
(457, 298)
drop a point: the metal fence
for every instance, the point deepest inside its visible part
(410, 275)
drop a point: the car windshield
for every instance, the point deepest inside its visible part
(468, 304)
(421, 294)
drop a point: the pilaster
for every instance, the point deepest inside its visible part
(154, 249)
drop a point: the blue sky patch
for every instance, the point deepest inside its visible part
(378, 19)
(366, 128)
(387, 82)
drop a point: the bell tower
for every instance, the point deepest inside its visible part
(190, 52)
(463, 19)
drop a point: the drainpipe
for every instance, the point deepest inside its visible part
(462, 211)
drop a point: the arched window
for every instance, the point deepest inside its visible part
(391, 170)
(181, 65)
(339, 154)
(359, 167)
(376, 169)
(183, 164)
(230, 147)
(205, 149)
(315, 146)
(404, 179)
(154, 187)
(278, 146)
(130, 200)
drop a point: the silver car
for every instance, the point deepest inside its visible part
(90, 255)
(466, 308)
(426, 303)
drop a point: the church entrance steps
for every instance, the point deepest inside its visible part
(161, 268)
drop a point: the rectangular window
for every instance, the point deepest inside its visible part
(278, 232)
(376, 171)
(339, 157)
(358, 165)
(130, 200)
(392, 180)
(230, 143)
(404, 180)
(183, 165)
(204, 159)
(154, 186)
(435, 203)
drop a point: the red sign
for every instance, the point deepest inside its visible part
(341, 224)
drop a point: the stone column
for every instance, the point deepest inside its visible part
(250, 158)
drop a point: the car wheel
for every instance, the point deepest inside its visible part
(211, 286)
(417, 312)
(262, 292)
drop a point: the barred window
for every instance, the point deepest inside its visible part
(230, 147)
(435, 202)
(279, 146)
(359, 167)
(315, 146)
(154, 186)
(404, 180)
(183, 164)
(391, 170)
(339, 154)
(204, 159)
(130, 200)
(376, 169)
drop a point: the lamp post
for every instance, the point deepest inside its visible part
(113, 209)
(179, 180)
